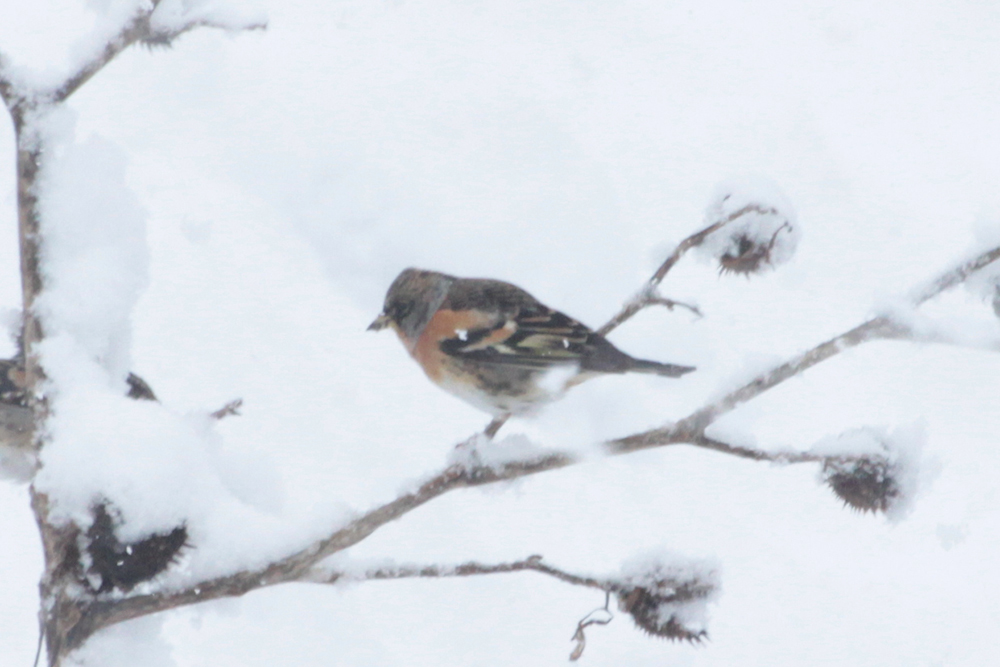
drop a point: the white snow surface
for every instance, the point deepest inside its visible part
(223, 219)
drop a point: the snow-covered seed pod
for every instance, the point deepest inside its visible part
(874, 469)
(868, 484)
(647, 609)
(113, 564)
(759, 230)
(667, 595)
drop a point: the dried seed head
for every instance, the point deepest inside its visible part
(867, 484)
(667, 595)
(756, 230)
(874, 469)
(747, 255)
(123, 565)
(652, 612)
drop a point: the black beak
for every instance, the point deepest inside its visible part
(381, 322)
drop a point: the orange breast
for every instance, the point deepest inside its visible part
(444, 325)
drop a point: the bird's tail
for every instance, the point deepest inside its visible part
(656, 368)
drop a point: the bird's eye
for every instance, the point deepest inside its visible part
(398, 311)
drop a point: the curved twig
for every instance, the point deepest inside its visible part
(649, 296)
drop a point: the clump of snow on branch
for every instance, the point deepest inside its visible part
(110, 18)
(95, 261)
(667, 595)
(155, 468)
(172, 16)
(482, 452)
(102, 444)
(166, 20)
(760, 229)
(874, 469)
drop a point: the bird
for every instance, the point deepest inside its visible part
(493, 345)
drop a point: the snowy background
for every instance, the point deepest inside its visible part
(244, 201)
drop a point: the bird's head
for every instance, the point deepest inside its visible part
(414, 296)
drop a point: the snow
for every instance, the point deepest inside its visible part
(138, 643)
(95, 260)
(244, 202)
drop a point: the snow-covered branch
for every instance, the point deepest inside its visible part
(472, 568)
(153, 23)
(691, 428)
(147, 26)
(665, 595)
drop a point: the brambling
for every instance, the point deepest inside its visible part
(494, 345)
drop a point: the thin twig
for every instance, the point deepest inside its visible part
(230, 409)
(670, 304)
(953, 277)
(472, 568)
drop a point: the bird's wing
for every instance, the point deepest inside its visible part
(534, 336)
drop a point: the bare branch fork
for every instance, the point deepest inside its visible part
(649, 295)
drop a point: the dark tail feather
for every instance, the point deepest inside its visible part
(656, 368)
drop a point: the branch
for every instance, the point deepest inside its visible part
(297, 566)
(661, 601)
(472, 568)
(230, 409)
(691, 428)
(954, 277)
(137, 29)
